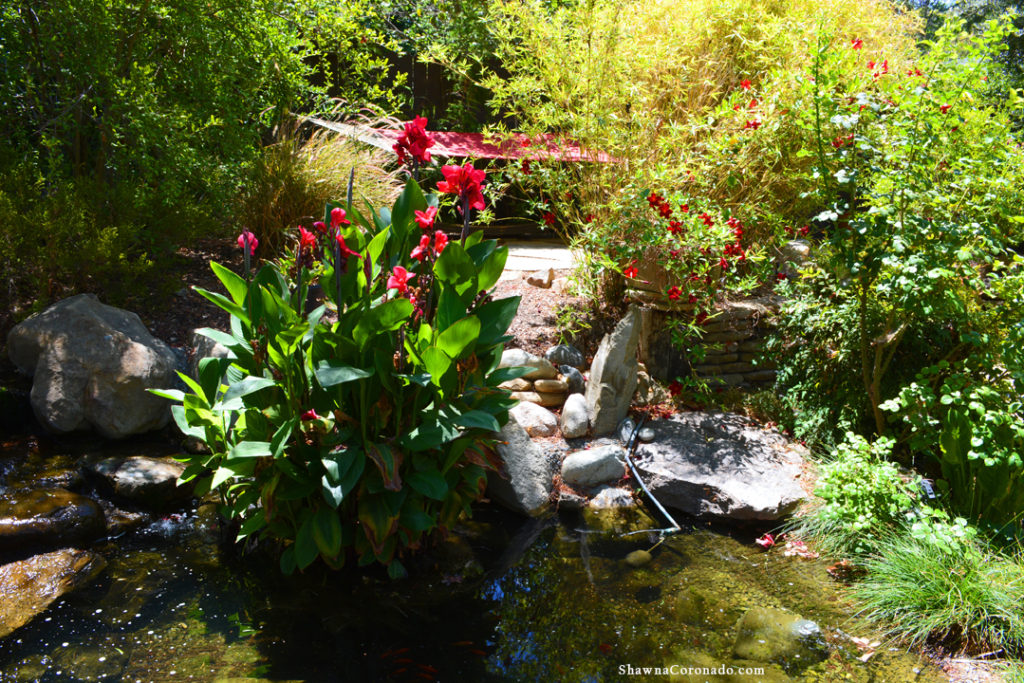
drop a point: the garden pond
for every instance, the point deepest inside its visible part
(500, 599)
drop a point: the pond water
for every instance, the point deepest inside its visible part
(501, 599)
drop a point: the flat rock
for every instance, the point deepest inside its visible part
(574, 421)
(525, 486)
(551, 386)
(613, 375)
(91, 366)
(715, 465)
(517, 384)
(537, 421)
(28, 587)
(144, 480)
(594, 466)
(566, 354)
(48, 518)
(541, 399)
(541, 278)
(541, 367)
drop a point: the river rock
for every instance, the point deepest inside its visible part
(594, 466)
(565, 354)
(551, 386)
(525, 485)
(537, 421)
(541, 278)
(638, 558)
(541, 399)
(715, 465)
(766, 634)
(48, 517)
(91, 365)
(613, 375)
(573, 378)
(30, 586)
(574, 422)
(541, 367)
(144, 480)
(625, 430)
(517, 384)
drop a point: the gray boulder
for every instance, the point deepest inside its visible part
(715, 465)
(766, 634)
(574, 422)
(525, 486)
(565, 354)
(91, 366)
(542, 368)
(28, 587)
(144, 480)
(49, 518)
(594, 466)
(536, 420)
(613, 375)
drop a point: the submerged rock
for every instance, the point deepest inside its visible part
(49, 517)
(716, 465)
(91, 366)
(638, 558)
(28, 587)
(613, 375)
(594, 466)
(525, 486)
(766, 634)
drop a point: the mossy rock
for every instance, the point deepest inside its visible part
(766, 634)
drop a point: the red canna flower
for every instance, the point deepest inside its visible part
(440, 241)
(630, 270)
(706, 217)
(338, 217)
(752, 125)
(945, 107)
(745, 84)
(399, 279)
(420, 252)
(753, 104)
(804, 230)
(655, 200)
(856, 43)
(343, 248)
(685, 208)
(307, 240)
(464, 181)
(320, 227)
(425, 219)
(675, 227)
(674, 293)
(415, 140)
(723, 263)
(247, 236)
(310, 415)
(549, 218)
(665, 210)
(779, 277)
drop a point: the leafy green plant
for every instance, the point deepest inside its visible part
(361, 425)
(863, 497)
(960, 595)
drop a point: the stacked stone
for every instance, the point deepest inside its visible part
(733, 344)
(545, 384)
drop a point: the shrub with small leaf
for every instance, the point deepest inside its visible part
(355, 427)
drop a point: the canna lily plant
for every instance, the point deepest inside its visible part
(355, 428)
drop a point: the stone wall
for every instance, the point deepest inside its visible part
(732, 346)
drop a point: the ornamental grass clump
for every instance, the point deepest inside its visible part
(357, 411)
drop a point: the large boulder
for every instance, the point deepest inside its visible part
(49, 518)
(30, 586)
(144, 480)
(91, 366)
(613, 375)
(716, 465)
(525, 485)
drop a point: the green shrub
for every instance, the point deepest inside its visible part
(864, 497)
(960, 595)
(360, 436)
